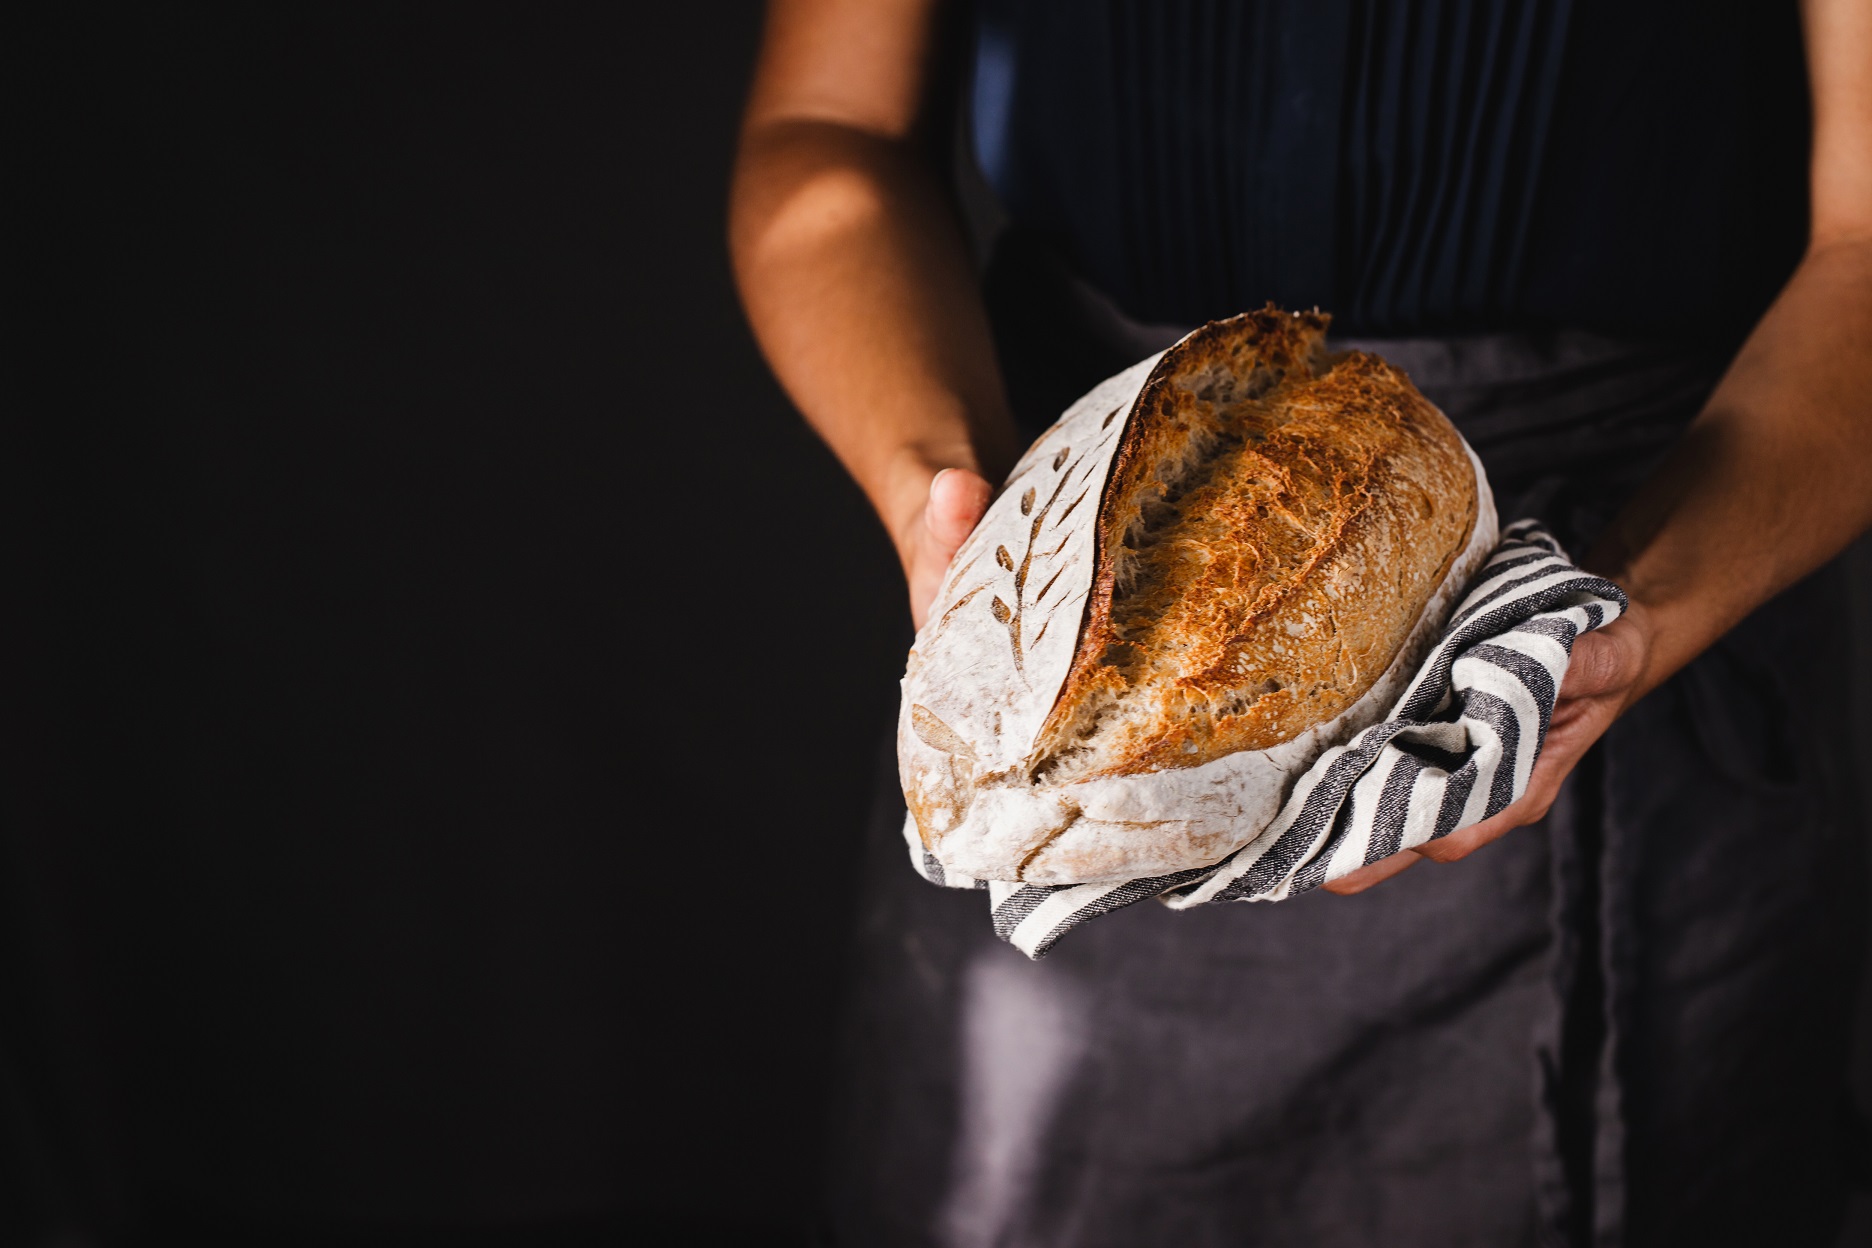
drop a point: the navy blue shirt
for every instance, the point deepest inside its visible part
(1413, 166)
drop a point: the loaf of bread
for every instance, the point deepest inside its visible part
(1215, 566)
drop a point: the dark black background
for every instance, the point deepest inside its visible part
(441, 676)
(447, 674)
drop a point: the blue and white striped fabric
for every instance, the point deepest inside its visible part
(1457, 748)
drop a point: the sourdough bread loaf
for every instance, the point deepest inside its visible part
(1214, 566)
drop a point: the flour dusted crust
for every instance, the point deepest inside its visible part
(1214, 566)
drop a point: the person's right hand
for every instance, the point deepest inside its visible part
(952, 506)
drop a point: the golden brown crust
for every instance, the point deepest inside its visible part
(1272, 527)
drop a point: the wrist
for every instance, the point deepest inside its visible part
(1668, 621)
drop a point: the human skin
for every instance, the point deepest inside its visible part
(862, 292)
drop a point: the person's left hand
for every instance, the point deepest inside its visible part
(1602, 679)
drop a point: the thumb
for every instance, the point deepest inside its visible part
(957, 500)
(1603, 662)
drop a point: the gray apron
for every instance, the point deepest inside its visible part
(1628, 1025)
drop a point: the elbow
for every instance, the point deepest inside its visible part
(776, 222)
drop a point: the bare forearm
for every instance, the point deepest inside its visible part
(1773, 479)
(862, 293)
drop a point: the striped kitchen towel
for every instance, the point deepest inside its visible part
(1457, 748)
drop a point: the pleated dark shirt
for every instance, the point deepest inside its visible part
(1414, 166)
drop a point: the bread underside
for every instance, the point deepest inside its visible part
(1272, 530)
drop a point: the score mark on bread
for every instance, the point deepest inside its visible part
(1273, 527)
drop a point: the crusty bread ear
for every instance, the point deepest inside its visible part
(1270, 533)
(1214, 566)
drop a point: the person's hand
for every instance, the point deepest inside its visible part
(951, 507)
(1603, 678)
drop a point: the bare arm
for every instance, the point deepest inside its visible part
(863, 296)
(856, 275)
(1772, 479)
